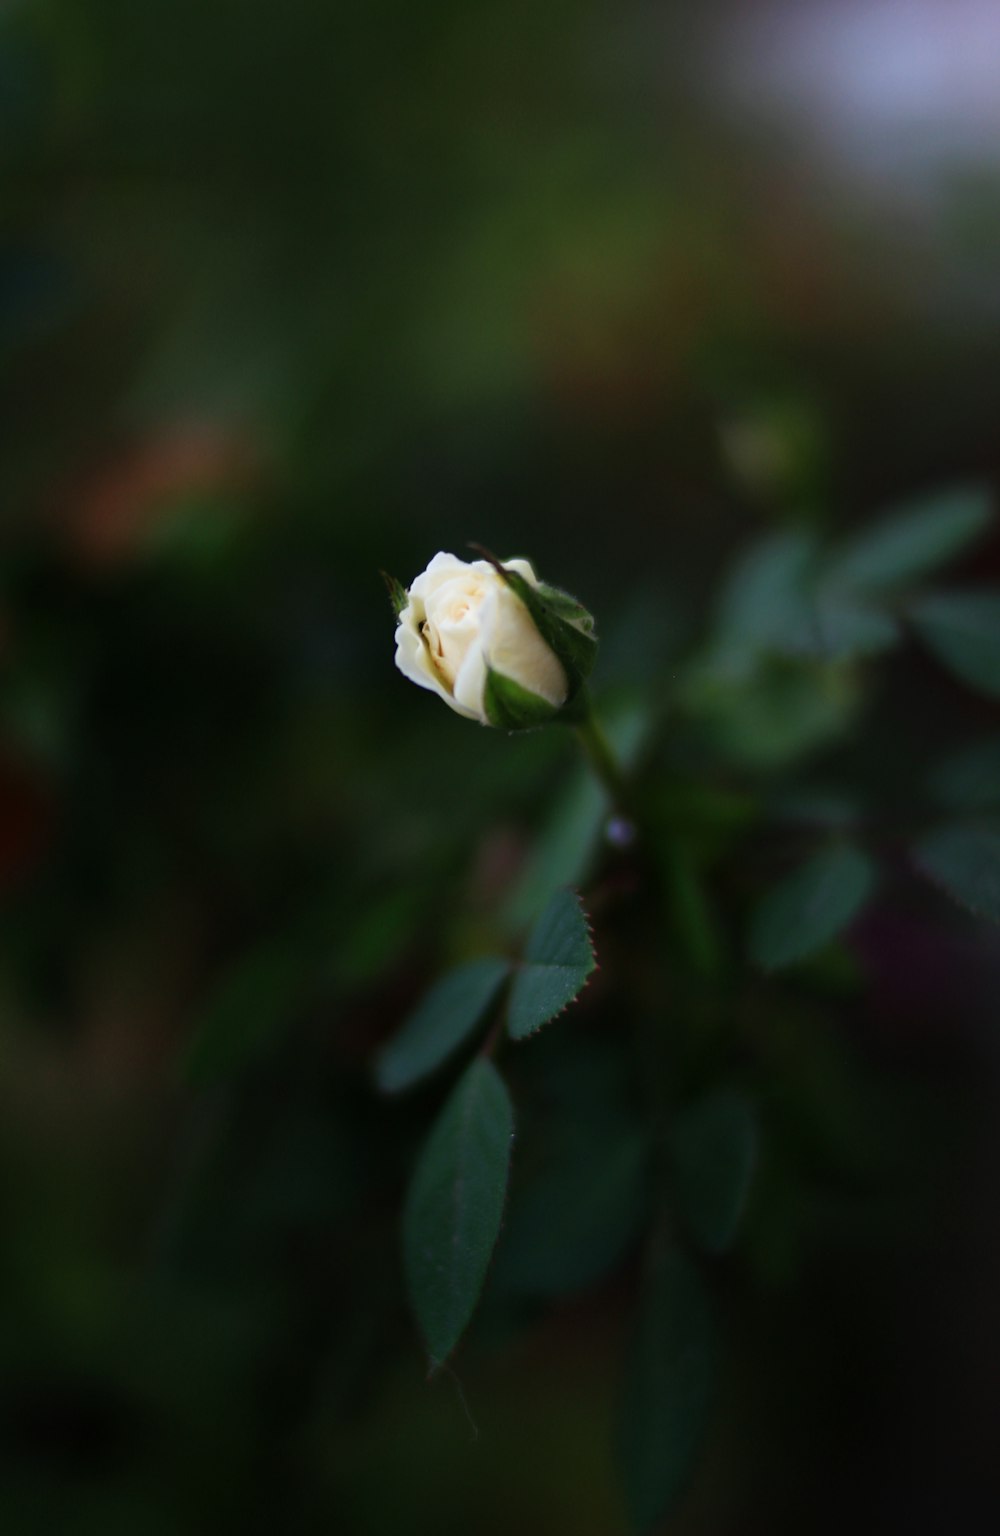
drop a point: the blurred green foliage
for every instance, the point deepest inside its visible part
(290, 296)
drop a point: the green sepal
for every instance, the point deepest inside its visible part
(565, 626)
(510, 707)
(398, 595)
(566, 607)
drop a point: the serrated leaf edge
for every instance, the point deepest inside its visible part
(519, 964)
(946, 890)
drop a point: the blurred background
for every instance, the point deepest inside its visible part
(292, 294)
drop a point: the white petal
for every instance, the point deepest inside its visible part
(414, 663)
(470, 683)
(513, 646)
(523, 568)
(411, 657)
(441, 568)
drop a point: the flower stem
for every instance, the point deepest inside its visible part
(599, 753)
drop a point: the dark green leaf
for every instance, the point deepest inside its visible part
(771, 714)
(965, 862)
(811, 906)
(963, 631)
(765, 597)
(568, 842)
(557, 961)
(565, 846)
(970, 780)
(911, 544)
(669, 1389)
(573, 1223)
(441, 1022)
(455, 1204)
(834, 629)
(714, 1145)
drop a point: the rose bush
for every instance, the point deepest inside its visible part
(472, 632)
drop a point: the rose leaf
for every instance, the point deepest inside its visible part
(558, 959)
(455, 1204)
(440, 1023)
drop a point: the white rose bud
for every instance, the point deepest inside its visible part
(494, 643)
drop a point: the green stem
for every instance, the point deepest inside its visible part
(599, 753)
